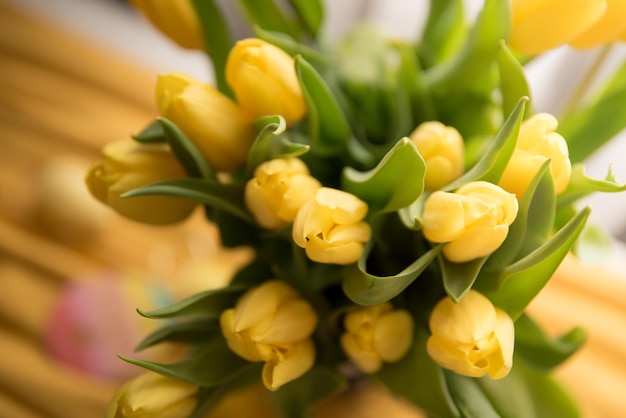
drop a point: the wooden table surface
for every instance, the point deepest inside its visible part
(62, 97)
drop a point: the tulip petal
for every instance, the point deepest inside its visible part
(470, 320)
(294, 321)
(289, 365)
(365, 358)
(475, 243)
(393, 335)
(261, 302)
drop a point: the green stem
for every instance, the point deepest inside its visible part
(582, 88)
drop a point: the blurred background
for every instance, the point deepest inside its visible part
(76, 74)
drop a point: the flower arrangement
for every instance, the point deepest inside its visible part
(404, 201)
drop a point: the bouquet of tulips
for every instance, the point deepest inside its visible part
(404, 201)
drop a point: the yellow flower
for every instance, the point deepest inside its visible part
(330, 227)
(175, 18)
(540, 25)
(211, 120)
(472, 337)
(273, 324)
(128, 165)
(442, 148)
(278, 190)
(537, 142)
(263, 78)
(474, 220)
(375, 334)
(607, 28)
(152, 395)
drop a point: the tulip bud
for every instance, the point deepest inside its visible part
(263, 78)
(278, 190)
(152, 395)
(537, 142)
(473, 221)
(375, 334)
(271, 323)
(566, 19)
(471, 337)
(443, 151)
(211, 120)
(606, 29)
(330, 227)
(175, 18)
(128, 165)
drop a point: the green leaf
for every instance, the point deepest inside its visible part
(367, 289)
(293, 47)
(445, 30)
(272, 142)
(491, 166)
(208, 304)
(311, 12)
(267, 15)
(549, 397)
(478, 53)
(580, 185)
(522, 232)
(513, 83)
(396, 182)
(228, 197)
(295, 399)
(213, 364)
(411, 216)
(151, 134)
(509, 396)
(589, 127)
(328, 127)
(458, 278)
(469, 397)
(523, 280)
(217, 39)
(187, 332)
(417, 378)
(542, 351)
(411, 81)
(186, 151)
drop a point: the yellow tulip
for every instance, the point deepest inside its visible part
(128, 165)
(330, 227)
(471, 337)
(278, 190)
(263, 78)
(152, 395)
(273, 324)
(540, 25)
(374, 334)
(210, 119)
(608, 28)
(175, 18)
(537, 142)
(443, 151)
(473, 221)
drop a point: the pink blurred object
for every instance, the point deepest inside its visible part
(96, 319)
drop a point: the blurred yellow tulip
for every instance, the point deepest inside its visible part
(152, 395)
(210, 119)
(177, 19)
(537, 142)
(472, 337)
(330, 227)
(473, 221)
(374, 334)
(278, 190)
(443, 151)
(263, 78)
(128, 165)
(540, 25)
(273, 324)
(607, 28)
